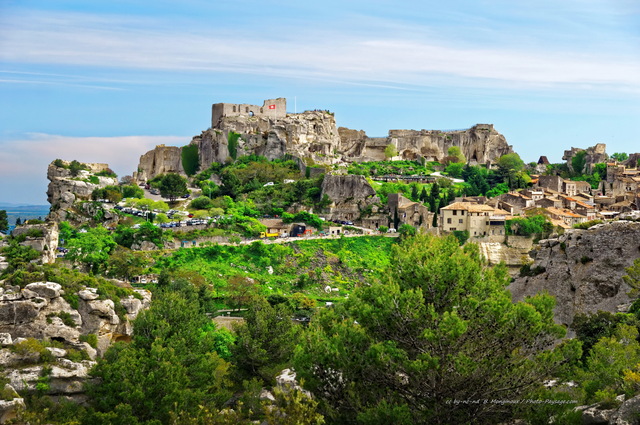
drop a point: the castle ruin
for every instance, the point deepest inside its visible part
(271, 108)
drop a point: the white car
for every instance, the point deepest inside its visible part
(268, 184)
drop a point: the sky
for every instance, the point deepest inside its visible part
(106, 81)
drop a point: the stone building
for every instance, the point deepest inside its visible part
(409, 212)
(271, 108)
(478, 220)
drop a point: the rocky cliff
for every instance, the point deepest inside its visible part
(314, 139)
(593, 155)
(46, 345)
(40, 311)
(349, 195)
(583, 269)
(41, 237)
(65, 190)
(480, 144)
(161, 160)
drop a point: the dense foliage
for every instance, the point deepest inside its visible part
(442, 328)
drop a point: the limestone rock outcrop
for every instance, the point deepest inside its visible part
(314, 139)
(583, 269)
(594, 155)
(161, 160)
(40, 311)
(480, 144)
(41, 237)
(349, 195)
(64, 189)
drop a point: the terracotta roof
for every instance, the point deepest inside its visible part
(563, 213)
(583, 205)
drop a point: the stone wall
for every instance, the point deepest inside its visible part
(271, 108)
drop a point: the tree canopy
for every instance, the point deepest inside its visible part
(172, 186)
(443, 328)
(4, 222)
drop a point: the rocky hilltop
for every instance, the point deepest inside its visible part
(314, 139)
(583, 269)
(65, 188)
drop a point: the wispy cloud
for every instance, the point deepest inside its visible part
(382, 58)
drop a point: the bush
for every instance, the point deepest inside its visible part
(107, 173)
(587, 224)
(526, 270)
(201, 203)
(91, 339)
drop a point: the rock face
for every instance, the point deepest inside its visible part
(40, 311)
(41, 237)
(480, 144)
(594, 155)
(349, 195)
(64, 189)
(161, 160)
(514, 255)
(313, 138)
(583, 269)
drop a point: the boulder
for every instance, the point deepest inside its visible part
(628, 412)
(9, 408)
(45, 289)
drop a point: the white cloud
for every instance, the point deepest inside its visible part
(23, 162)
(384, 57)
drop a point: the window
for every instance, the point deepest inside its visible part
(449, 221)
(460, 221)
(455, 212)
(462, 212)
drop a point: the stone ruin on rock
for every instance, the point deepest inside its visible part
(313, 139)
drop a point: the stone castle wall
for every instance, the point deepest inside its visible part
(271, 108)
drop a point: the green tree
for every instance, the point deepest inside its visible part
(442, 328)
(92, 248)
(75, 167)
(172, 186)
(265, 340)
(390, 151)
(578, 162)
(455, 152)
(170, 368)
(454, 169)
(4, 221)
(620, 156)
(511, 161)
(406, 230)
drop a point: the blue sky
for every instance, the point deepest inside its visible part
(105, 81)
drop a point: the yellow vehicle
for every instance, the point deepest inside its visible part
(268, 235)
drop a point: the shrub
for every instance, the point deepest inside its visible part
(107, 173)
(526, 270)
(201, 203)
(587, 224)
(91, 339)
(585, 259)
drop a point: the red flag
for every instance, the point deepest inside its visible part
(272, 106)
